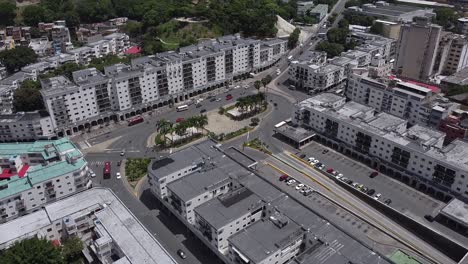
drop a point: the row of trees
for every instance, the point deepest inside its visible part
(35, 250)
(251, 103)
(167, 127)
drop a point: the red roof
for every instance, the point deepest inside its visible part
(6, 173)
(23, 171)
(433, 88)
(133, 50)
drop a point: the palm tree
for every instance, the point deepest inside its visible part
(180, 129)
(258, 85)
(165, 127)
(202, 121)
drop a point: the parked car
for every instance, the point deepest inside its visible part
(377, 196)
(364, 189)
(218, 99)
(371, 192)
(92, 174)
(181, 254)
(318, 164)
(355, 185)
(340, 175)
(291, 182)
(202, 111)
(299, 186)
(335, 173)
(213, 99)
(119, 162)
(330, 170)
(118, 176)
(180, 119)
(322, 166)
(307, 192)
(302, 156)
(373, 174)
(325, 151)
(228, 97)
(283, 177)
(122, 153)
(311, 159)
(388, 201)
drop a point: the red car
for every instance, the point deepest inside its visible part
(329, 170)
(180, 119)
(373, 174)
(283, 177)
(228, 97)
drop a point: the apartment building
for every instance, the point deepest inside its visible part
(242, 218)
(34, 174)
(462, 25)
(391, 12)
(457, 57)
(60, 36)
(417, 104)
(27, 126)
(417, 49)
(313, 73)
(109, 231)
(153, 81)
(415, 155)
(112, 44)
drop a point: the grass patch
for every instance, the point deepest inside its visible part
(228, 136)
(258, 145)
(178, 34)
(136, 168)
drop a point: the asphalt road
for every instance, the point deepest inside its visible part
(329, 188)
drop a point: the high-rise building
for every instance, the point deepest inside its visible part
(417, 49)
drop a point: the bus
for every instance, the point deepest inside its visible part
(135, 120)
(107, 170)
(182, 108)
(280, 124)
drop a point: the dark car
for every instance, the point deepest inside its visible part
(388, 201)
(181, 254)
(302, 156)
(318, 165)
(349, 182)
(371, 192)
(180, 119)
(213, 99)
(284, 177)
(119, 162)
(228, 97)
(373, 174)
(203, 111)
(364, 189)
(325, 151)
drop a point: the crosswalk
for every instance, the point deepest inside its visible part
(83, 144)
(99, 162)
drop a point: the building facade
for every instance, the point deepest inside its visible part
(92, 98)
(418, 105)
(27, 126)
(34, 174)
(414, 155)
(417, 48)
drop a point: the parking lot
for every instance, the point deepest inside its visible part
(403, 198)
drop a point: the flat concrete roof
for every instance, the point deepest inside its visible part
(133, 239)
(457, 211)
(298, 134)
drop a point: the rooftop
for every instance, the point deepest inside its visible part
(138, 245)
(457, 211)
(224, 209)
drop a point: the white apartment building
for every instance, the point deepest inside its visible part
(463, 25)
(241, 217)
(27, 126)
(457, 57)
(153, 81)
(415, 155)
(34, 174)
(416, 104)
(109, 231)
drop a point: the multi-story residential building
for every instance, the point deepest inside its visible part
(319, 11)
(304, 6)
(455, 126)
(463, 25)
(27, 126)
(109, 231)
(417, 48)
(8, 87)
(34, 174)
(374, 44)
(60, 36)
(457, 57)
(416, 104)
(456, 80)
(414, 155)
(42, 47)
(153, 81)
(241, 217)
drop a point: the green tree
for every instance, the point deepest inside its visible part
(71, 248)
(7, 13)
(332, 49)
(33, 14)
(446, 17)
(35, 33)
(33, 250)
(28, 97)
(66, 69)
(258, 85)
(266, 80)
(133, 28)
(377, 28)
(353, 3)
(294, 38)
(17, 58)
(337, 35)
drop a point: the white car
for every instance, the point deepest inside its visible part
(377, 196)
(218, 99)
(290, 182)
(335, 173)
(311, 159)
(315, 161)
(118, 175)
(340, 175)
(299, 186)
(122, 153)
(92, 174)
